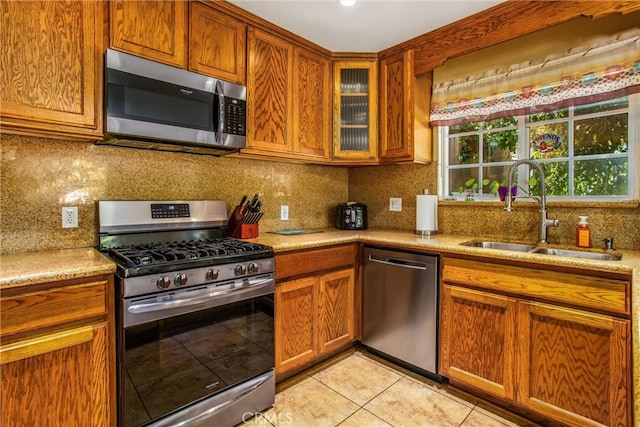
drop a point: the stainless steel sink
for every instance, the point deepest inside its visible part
(518, 247)
(533, 249)
(578, 254)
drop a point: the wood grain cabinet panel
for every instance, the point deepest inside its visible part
(574, 365)
(405, 133)
(217, 44)
(155, 30)
(269, 92)
(477, 339)
(336, 310)
(311, 111)
(315, 306)
(51, 68)
(60, 369)
(564, 363)
(295, 322)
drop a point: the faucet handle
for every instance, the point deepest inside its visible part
(608, 243)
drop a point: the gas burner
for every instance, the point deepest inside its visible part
(149, 254)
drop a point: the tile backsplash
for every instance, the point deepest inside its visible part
(38, 176)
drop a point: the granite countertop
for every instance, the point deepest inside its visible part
(40, 267)
(25, 269)
(442, 243)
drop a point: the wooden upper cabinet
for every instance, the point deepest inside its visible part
(217, 44)
(155, 30)
(405, 135)
(269, 115)
(51, 65)
(311, 112)
(355, 107)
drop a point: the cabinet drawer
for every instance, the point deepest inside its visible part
(56, 306)
(591, 292)
(313, 261)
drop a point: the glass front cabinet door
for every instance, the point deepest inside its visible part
(355, 112)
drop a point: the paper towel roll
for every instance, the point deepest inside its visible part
(426, 214)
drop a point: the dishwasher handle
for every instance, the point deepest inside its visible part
(404, 263)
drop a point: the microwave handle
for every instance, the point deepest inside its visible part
(221, 110)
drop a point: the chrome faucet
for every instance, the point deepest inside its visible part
(544, 222)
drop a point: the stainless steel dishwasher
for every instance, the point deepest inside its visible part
(400, 306)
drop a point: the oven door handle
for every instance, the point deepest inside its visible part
(200, 299)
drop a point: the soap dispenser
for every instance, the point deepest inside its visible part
(583, 233)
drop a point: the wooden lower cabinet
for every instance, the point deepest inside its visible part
(478, 346)
(57, 368)
(313, 316)
(564, 364)
(315, 306)
(296, 305)
(336, 310)
(574, 365)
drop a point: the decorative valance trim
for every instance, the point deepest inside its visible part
(613, 70)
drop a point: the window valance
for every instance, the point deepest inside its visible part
(604, 70)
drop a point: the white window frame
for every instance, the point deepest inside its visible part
(523, 147)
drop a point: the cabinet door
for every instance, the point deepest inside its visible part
(50, 60)
(155, 30)
(296, 304)
(269, 114)
(405, 132)
(217, 44)
(336, 310)
(396, 93)
(477, 340)
(311, 111)
(574, 366)
(57, 379)
(355, 111)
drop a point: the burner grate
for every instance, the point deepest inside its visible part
(171, 252)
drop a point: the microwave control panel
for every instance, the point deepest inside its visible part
(235, 117)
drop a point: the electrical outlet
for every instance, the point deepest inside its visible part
(395, 204)
(70, 217)
(284, 213)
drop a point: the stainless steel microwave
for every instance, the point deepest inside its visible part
(156, 106)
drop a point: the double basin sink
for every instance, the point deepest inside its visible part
(520, 247)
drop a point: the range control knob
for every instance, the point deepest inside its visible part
(240, 270)
(163, 282)
(180, 279)
(212, 274)
(252, 268)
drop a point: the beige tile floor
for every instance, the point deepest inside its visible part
(360, 390)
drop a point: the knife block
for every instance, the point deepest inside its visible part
(245, 231)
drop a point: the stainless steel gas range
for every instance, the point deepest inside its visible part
(194, 314)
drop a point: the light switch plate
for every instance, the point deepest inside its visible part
(284, 213)
(395, 204)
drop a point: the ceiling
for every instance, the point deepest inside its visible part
(368, 26)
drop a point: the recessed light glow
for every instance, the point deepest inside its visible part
(347, 2)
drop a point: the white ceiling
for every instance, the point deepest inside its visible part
(368, 26)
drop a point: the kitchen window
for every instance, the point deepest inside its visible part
(576, 113)
(586, 151)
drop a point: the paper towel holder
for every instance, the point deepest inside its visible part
(425, 233)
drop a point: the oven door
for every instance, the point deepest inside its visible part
(201, 356)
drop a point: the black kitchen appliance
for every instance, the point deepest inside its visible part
(194, 322)
(156, 106)
(352, 216)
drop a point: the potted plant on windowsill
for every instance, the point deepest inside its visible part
(502, 191)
